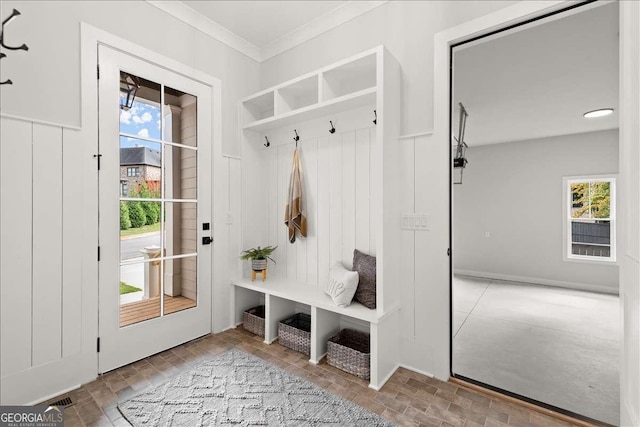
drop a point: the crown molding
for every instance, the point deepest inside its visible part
(338, 16)
(184, 13)
(343, 13)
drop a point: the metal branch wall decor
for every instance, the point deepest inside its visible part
(6, 22)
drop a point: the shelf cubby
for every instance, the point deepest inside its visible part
(259, 107)
(349, 78)
(299, 94)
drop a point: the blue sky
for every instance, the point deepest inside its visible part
(143, 120)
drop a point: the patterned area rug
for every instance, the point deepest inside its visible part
(239, 389)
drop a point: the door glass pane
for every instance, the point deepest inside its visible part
(180, 172)
(139, 292)
(180, 228)
(158, 165)
(180, 284)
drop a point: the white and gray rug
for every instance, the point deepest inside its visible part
(239, 389)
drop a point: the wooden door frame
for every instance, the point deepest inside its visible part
(90, 38)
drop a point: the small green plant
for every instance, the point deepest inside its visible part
(259, 253)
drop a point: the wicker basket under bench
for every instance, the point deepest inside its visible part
(295, 332)
(350, 351)
(253, 320)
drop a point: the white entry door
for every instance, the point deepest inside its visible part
(155, 209)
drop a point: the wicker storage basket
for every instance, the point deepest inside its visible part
(295, 332)
(253, 320)
(350, 350)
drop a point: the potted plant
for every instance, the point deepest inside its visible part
(259, 257)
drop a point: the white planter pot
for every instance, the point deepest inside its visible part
(258, 264)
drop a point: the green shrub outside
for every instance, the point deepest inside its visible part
(125, 221)
(137, 215)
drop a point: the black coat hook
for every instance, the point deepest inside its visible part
(8, 81)
(268, 143)
(375, 121)
(5, 22)
(333, 129)
(296, 138)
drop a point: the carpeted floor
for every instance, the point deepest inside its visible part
(239, 389)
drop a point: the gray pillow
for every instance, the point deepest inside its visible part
(365, 265)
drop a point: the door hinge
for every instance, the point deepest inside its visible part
(448, 251)
(98, 71)
(98, 345)
(98, 156)
(98, 253)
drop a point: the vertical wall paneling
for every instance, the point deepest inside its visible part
(373, 193)
(274, 211)
(407, 238)
(348, 197)
(324, 209)
(15, 246)
(300, 245)
(335, 199)
(362, 191)
(71, 244)
(285, 253)
(234, 213)
(310, 170)
(47, 244)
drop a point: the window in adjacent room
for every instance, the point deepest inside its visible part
(589, 214)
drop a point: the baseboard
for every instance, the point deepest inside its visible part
(417, 371)
(629, 417)
(56, 394)
(384, 381)
(538, 281)
(317, 362)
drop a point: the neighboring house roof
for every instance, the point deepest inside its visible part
(140, 156)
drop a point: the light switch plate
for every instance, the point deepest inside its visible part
(415, 221)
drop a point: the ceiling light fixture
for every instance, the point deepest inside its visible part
(598, 113)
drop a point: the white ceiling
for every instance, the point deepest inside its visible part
(262, 22)
(538, 82)
(262, 29)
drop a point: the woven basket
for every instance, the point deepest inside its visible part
(350, 351)
(295, 332)
(253, 320)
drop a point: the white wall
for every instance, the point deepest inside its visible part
(337, 174)
(48, 313)
(513, 191)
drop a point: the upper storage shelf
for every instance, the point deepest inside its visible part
(345, 85)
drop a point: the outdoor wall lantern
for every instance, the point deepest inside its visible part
(129, 85)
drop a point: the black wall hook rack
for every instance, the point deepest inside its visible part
(296, 138)
(333, 129)
(268, 143)
(6, 21)
(375, 121)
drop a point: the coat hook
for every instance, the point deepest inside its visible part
(296, 138)
(268, 143)
(14, 14)
(333, 129)
(375, 121)
(8, 81)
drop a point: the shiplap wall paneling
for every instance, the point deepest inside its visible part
(407, 239)
(235, 203)
(16, 246)
(72, 203)
(361, 189)
(310, 178)
(47, 244)
(349, 166)
(323, 222)
(335, 198)
(373, 191)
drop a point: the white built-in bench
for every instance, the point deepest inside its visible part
(282, 298)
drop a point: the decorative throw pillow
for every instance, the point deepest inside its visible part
(342, 285)
(365, 265)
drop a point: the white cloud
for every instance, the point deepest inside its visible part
(125, 117)
(146, 117)
(137, 119)
(144, 133)
(158, 123)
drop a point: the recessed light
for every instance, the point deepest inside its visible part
(598, 113)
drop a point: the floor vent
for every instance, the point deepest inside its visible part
(62, 402)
